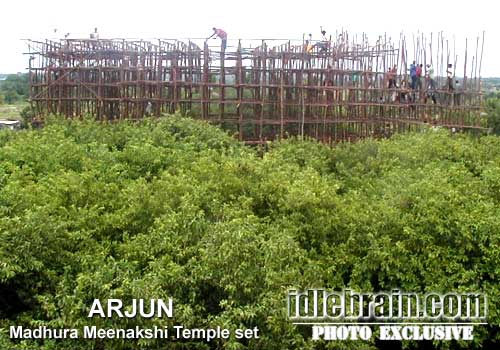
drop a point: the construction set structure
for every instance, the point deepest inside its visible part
(340, 89)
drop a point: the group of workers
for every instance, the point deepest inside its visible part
(418, 79)
(322, 45)
(308, 47)
(416, 70)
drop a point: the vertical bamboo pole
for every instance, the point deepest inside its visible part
(282, 97)
(480, 64)
(205, 106)
(239, 82)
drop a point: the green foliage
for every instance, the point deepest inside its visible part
(176, 208)
(14, 88)
(493, 113)
(27, 114)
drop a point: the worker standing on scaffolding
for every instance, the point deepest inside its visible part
(94, 35)
(308, 47)
(430, 77)
(419, 76)
(413, 75)
(391, 74)
(324, 43)
(449, 83)
(222, 35)
(449, 77)
(431, 87)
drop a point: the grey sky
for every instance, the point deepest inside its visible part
(248, 19)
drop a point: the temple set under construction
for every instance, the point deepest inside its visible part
(341, 89)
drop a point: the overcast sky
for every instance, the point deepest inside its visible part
(247, 19)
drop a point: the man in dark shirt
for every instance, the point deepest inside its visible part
(413, 75)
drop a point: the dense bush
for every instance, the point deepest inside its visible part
(176, 208)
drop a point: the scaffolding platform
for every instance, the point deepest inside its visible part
(335, 90)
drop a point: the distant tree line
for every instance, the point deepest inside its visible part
(14, 88)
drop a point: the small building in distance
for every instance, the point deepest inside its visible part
(10, 124)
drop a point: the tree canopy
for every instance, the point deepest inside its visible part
(176, 208)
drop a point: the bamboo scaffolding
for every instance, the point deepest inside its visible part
(272, 91)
